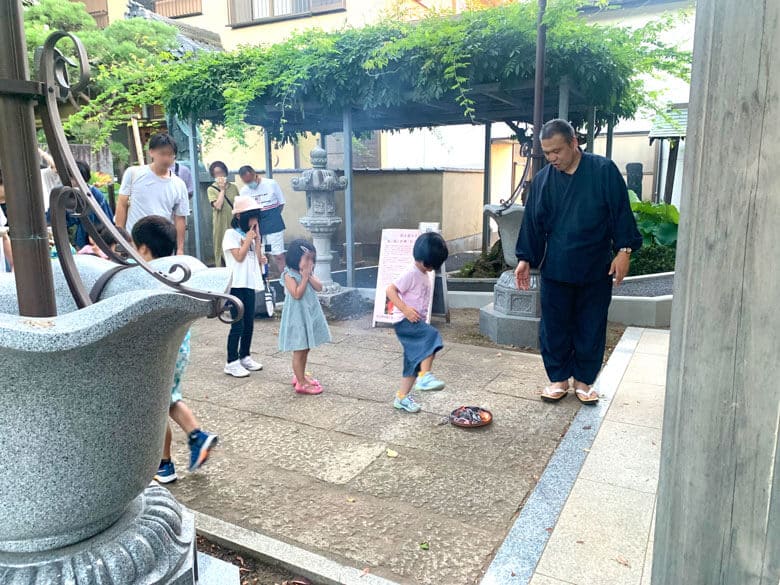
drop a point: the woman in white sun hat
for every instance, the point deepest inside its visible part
(244, 257)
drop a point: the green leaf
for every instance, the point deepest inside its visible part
(666, 233)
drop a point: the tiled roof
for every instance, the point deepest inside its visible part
(672, 123)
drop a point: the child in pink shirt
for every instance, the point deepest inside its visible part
(409, 295)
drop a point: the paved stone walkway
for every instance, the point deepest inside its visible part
(315, 471)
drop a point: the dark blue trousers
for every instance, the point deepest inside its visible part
(573, 331)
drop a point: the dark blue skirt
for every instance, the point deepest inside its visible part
(419, 341)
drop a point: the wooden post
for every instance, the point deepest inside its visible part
(139, 147)
(348, 219)
(718, 512)
(486, 189)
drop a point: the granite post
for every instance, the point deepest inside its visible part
(718, 511)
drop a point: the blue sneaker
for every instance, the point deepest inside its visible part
(201, 445)
(408, 404)
(166, 473)
(428, 383)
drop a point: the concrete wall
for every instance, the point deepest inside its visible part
(501, 171)
(628, 148)
(462, 206)
(392, 199)
(288, 156)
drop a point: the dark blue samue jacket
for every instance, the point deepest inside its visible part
(574, 224)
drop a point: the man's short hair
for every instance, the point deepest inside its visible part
(157, 234)
(86, 172)
(162, 140)
(246, 169)
(558, 126)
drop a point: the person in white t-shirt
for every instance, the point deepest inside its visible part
(268, 194)
(243, 256)
(154, 190)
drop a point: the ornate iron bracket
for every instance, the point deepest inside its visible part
(75, 197)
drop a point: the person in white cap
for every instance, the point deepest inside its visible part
(244, 256)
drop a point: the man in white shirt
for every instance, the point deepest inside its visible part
(268, 194)
(154, 190)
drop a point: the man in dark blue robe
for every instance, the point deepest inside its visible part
(578, 229)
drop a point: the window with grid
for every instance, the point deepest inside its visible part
(247, 11)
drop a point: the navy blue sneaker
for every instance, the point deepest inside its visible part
(201, 445)
(166, 473)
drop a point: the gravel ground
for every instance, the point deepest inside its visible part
(656, 287)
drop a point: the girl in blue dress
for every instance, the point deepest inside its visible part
(303, 325)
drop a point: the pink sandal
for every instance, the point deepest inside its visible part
(312, 381)
(310, 389)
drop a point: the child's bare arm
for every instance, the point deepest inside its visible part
(316, 283)
(294, 288)
(240, 253)
(395, 297)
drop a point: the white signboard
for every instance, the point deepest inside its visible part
(395, 258)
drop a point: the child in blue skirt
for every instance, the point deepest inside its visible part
(409, 295)
(303, 325)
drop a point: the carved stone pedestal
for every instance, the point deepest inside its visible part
(153, 542)
(514, 315)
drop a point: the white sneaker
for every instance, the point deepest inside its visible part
(236, 370)
(250, 364)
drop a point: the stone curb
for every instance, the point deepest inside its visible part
(319, 569)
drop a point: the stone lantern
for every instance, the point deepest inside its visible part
(321, 220)
(320, 185)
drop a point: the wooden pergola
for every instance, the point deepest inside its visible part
(492, 103)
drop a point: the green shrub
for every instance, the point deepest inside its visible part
(489, 265)
(652, 259)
